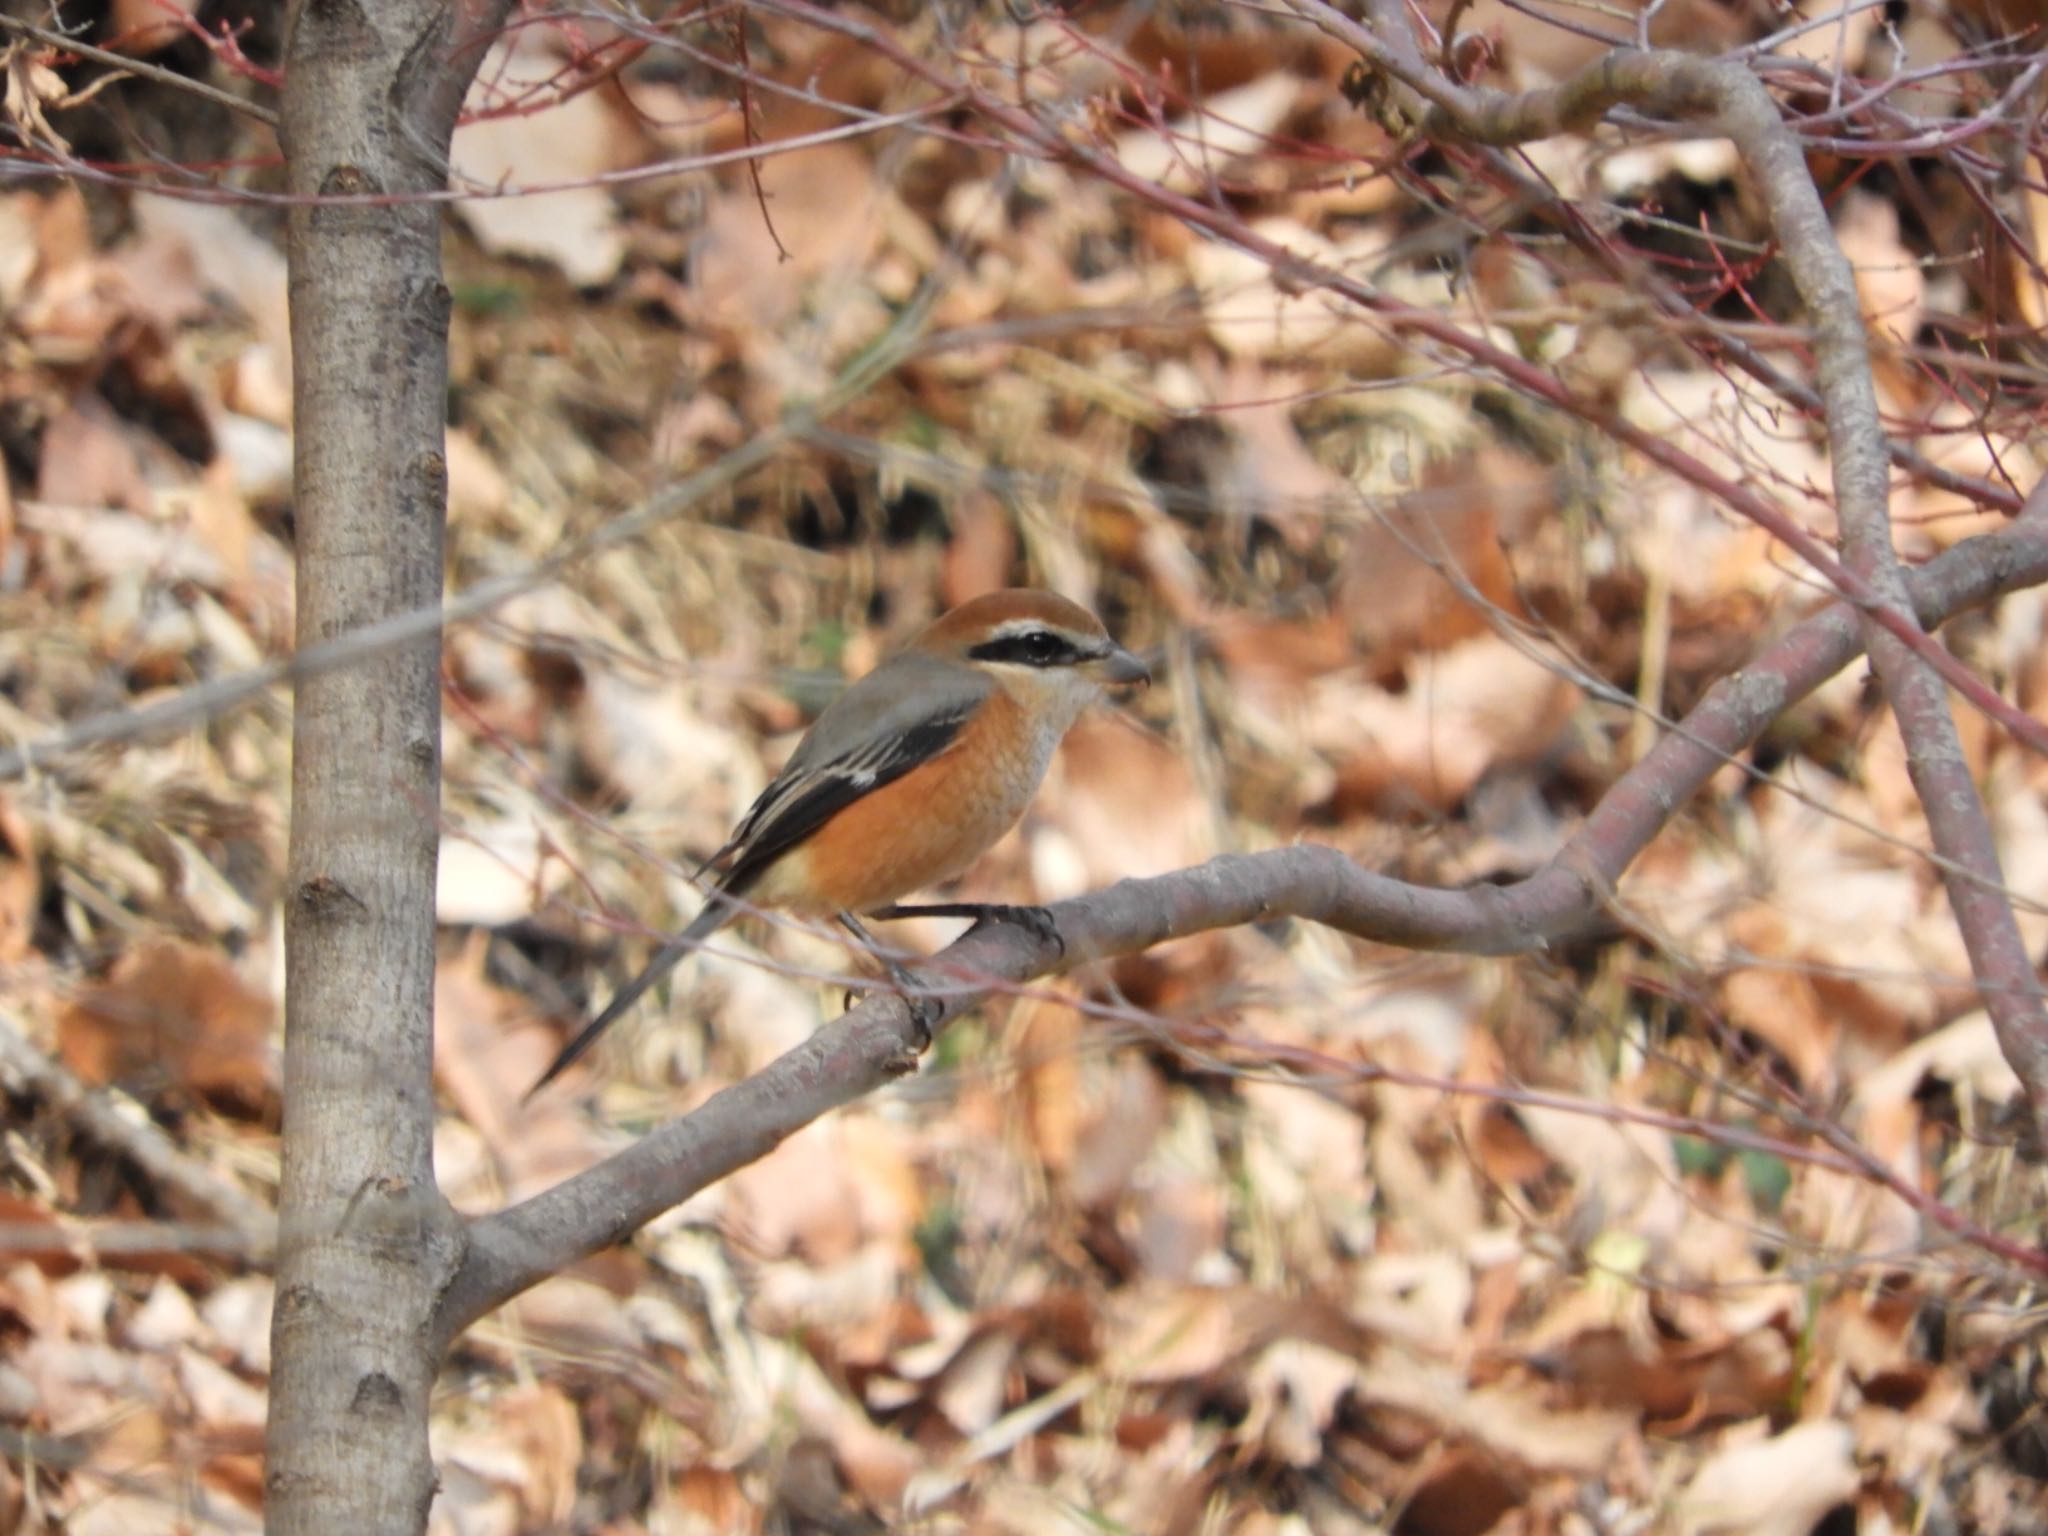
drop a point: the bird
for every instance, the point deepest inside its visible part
(906, 778)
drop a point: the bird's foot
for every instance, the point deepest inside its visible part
(925, 1010)
(1037, 921)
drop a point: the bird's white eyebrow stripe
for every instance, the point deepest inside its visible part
(1083, 645)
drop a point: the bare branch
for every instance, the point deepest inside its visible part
(124, 1127)
(133, 1240)
(141, 70)
(877, 1042)
(208, 701)
(1911, 666)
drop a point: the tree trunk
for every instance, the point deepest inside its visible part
(366, 1241)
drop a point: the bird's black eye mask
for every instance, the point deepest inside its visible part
(1031, 648)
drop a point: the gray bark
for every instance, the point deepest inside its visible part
(366, 1241)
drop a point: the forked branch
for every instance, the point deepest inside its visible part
(1726, 97)
(877, 1042)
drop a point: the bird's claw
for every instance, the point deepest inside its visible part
(924, 1009)
(1037, 921)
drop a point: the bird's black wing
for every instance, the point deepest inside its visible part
(806, 796)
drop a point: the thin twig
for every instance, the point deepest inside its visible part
(122, 1126)
(135, 1239)
(141, 70)
(211, 700)
(1729, 339)
(1564, 108)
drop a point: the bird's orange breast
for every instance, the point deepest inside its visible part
(921, 829)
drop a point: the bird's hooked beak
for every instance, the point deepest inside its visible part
(1118, 668)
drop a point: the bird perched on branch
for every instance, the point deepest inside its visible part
(907, 778)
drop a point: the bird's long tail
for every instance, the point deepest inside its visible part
(718, 911)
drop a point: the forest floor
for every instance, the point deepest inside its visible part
(1709, 1221)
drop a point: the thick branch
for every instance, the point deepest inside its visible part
(877, 1042)
(365, 1238)
(1730, 99)
(1957, 821)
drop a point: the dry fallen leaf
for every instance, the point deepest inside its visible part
(1475, 706)
(143, 27)
(1780, 1486)
(1340, 1239)
(20, 883)
(173, 1014)
(510, 142)
(1190, 152)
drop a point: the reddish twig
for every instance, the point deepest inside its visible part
(141, 69)
(1528, 378)
(225, 45)
(739, 35)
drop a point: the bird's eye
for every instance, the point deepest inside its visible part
(1030, 648)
